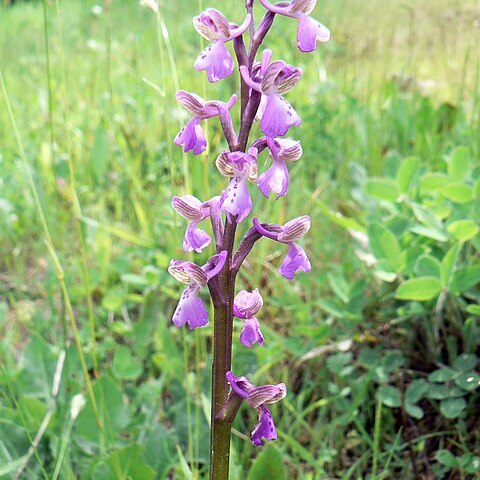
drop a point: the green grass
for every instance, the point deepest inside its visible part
(398, 77)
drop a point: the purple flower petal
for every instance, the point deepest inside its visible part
(251, 333)
(309, 32)
(247, 304)
(294, 229)
(240, 385)
(275, 179)
(216, 60)
(296, 259)
(215, 264)
(235, 199)
(277, 116)
(189, 207)
(195, 239)
(191, 136)
(190, 309)
(265, 427)
(266, 395)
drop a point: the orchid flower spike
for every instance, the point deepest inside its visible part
(216, 59)
(190, 308)
(235, 199)
(309, 31)
(273, 80)
(258, 398)
(282, 150)
(246, 305)
(289, 233)
(193, 210)
(191, 136)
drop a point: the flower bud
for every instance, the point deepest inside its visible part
(247, 304)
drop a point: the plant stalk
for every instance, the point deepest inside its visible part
(222, 362)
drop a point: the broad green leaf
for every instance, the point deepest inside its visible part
(416, 390)
(472, 465)
(382, 189)
(441, 391)
(442, 375)
(432, 182)
(446, 458)
(335, 217)
(384, 271)
(476, 188)
(448, 264)
(458, 192)
(406, 173)
(414, 411)
(458, 163)
(463, 230)
(465, 362)
(125, 365)
(331, 307)
(339, 286)
(465, 278)
(468, 381)
(427, 217)
(38, 363)
(128, 460)
(389, 396)
(160, 449)
(421, 289)
(268, 464)
(427, 266)
(428, 232)
(452, 407)
(473, 309)
(113, 412)
(384, 245)
(114, 299)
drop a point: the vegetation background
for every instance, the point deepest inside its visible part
(377, 345)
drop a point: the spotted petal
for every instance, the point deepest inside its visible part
(190, 309)
(195, 239)
(295, 260)
(277, 116)
(265, 428)
(216, 60)
(251, 333)
(192, 137)
(309, 32)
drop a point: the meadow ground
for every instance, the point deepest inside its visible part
(87, 171)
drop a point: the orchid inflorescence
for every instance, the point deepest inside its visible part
(263, 86)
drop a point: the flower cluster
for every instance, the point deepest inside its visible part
(264, 84)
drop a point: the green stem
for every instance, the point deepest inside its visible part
(222, 363)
